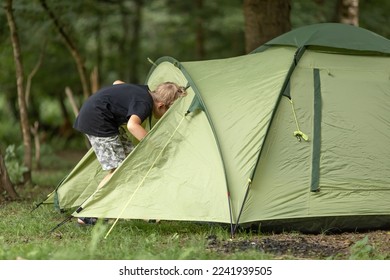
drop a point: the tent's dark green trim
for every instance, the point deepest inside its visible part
(286, 84)
(321, 49)
(197, 103)
(315, 172)
(333, 38)
(321, 224)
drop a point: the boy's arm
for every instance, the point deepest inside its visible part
(135, 127)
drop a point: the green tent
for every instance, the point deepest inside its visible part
(294, 135)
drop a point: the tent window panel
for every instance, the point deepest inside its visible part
(355, 129)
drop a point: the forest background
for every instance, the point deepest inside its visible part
(56, 53)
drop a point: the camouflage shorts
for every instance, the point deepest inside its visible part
(111, 151)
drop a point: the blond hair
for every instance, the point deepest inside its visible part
(167, 93)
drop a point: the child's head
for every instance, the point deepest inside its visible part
(164, 96)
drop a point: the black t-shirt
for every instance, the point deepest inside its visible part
(110, 107)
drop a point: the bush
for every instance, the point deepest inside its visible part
(14, 164)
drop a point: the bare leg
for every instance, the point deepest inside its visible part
(106, 178)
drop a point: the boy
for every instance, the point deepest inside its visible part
(102, 115)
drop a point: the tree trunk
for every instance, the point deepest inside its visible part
(265, 20)
(31, 75)
(66, 130)
(72, 48)
(72, 101)
(348, 12)
(5, 182)
(75, 109)
(95, 79)
(24, 121)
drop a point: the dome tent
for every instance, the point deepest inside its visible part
(294, 135)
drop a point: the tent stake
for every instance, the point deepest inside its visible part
(36, 207)
(60, 224)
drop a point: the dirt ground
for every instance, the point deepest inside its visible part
(368, 245)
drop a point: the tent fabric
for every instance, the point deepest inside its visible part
(239, 150)
(82, 181)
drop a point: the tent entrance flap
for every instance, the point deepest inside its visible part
(145, 176)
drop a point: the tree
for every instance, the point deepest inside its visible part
(24, 120)
(265, 20)
(348, 12)
(5, 182)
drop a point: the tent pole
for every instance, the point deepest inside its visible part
(36, 206)
(60, 224)
(78, 210)
(231, 217)
(242, 205)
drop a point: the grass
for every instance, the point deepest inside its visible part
(26, 235)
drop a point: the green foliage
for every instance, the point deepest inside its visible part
(374, 15)
(9, 130)
(362, 250)
(13, 162)
(49, 111)
(9, 133)
(54, 168)
(310, 12)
